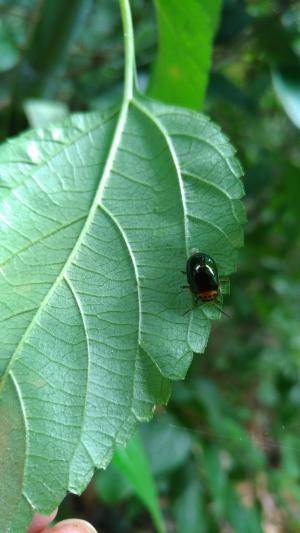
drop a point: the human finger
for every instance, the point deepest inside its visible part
(72, 525)
(39, 522)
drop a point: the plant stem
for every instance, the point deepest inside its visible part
(54, 29)
(128, 49)
(57, 29)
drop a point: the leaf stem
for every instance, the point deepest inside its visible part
(128, 49)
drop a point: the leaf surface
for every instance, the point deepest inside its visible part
(98, 216)
(186, 32)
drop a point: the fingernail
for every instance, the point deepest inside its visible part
(73, 525)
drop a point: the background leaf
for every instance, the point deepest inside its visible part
(286, 83)
(186, 32)
(189, 510)
(111, 486)
(97, 218)
(158, 438)
(41, 113)
(9, 52)
(133, 464)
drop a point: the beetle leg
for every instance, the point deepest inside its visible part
(221, 310)
(184, 286)
(183, 272)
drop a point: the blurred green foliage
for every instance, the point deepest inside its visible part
(226, 456)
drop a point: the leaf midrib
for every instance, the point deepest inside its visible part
(97, 202)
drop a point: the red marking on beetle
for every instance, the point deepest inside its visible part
(208, 295)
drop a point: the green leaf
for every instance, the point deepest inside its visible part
(111, 487)
(286, 83)
(217, 478)
(41, 113)
(189, 509)
(9, 52)
(133, 464)
(97, 218)
(186, 32)
(159, 437)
